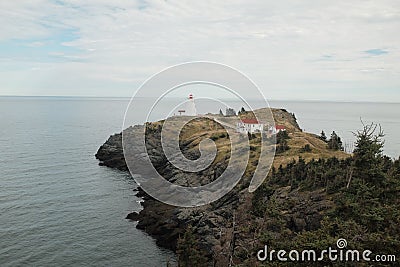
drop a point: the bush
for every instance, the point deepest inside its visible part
(306, 148)
(281, 141)
(214, 137)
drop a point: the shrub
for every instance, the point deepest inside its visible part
(306, 148)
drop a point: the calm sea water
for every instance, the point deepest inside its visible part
(58, 207)
(345, 118)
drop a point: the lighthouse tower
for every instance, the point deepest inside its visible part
(191, 107)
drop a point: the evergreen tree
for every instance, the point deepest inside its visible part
(188, 250)
(323, 136)
(281, 141)
(230, 112)
(368, 158)
(220, 112)
(335, 143)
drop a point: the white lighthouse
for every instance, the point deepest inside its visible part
(191, 107)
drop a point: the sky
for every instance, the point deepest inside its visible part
(295, 50)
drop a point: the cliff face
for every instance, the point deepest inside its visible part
(224, 230)
(110, 154)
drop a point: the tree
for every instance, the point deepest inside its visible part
(281, 141)
(188, 250)
(323, 136)
(220, 112)
(230, 112)
(368, 155)
(335, 143)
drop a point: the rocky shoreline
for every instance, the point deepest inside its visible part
(164, 222)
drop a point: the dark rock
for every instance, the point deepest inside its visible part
(111, 154)
(134, 216)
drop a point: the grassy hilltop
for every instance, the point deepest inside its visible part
(201, 128)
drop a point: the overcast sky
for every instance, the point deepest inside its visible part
(315, 50)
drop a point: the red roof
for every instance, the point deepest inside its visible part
(280, 127)
(250, 121)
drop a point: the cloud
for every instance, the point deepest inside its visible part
(376, 52)
(36, 44)
(285, 48)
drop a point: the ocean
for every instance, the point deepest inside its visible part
(346, 118)
(58, 207)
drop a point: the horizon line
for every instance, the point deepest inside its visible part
(272, 99)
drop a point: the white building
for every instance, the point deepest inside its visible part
(190, 107)
(276, 129)
(249, 126)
